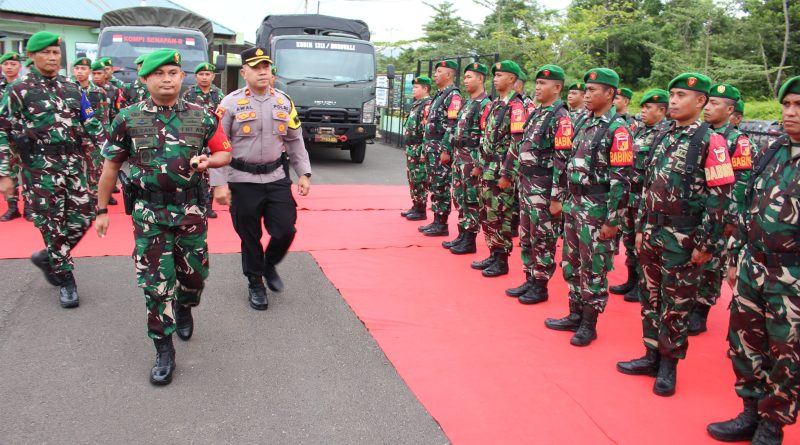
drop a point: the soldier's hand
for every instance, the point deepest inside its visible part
(639, 238)
(699, 257)
(732, 271)
(503, 183)
(101, 224)
(476, 172)
(608, 232)
(6, 186)
(556, 207)
(444, 158)
(199, 163)
(729, 228)
(303, 185)
(222, 194)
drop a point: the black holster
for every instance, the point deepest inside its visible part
(128, 194)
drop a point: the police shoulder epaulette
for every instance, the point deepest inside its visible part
(284, 93)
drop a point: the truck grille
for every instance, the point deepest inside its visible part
(329, 115)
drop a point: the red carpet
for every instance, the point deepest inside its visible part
(482, 364)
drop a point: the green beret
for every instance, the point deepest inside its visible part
(523, 77)
(139, 59)
(9, 56)
(422, 80)
(448, 64)
(205, 66)
(97, 65)
(83, 61)
(606, 76)
(625, 92)
(508, 66)
(478, 68)
(726, 91)
(159, 58)
(790, 86)
(28, 62)
(42, 40)
(577, 86)
(739, 107)
(691, 81)
(551, 72)
(656, 96)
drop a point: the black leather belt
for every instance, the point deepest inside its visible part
(535, 170)
(55, 149)
(587, 190)
(164, 198)
(776, 259)
(256, 169)
(677, 221)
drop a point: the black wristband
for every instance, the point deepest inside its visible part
(100, 211)
(307, 175)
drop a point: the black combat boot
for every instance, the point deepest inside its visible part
(467, 245)
(11, 213)
(740, 428)
(499, 267)
(28, 212)
(258, 293)
(647, 365)
(697, 319)
(210, 212)
(587, 331)
(68, 293)
(184, 322)
(427, 226)
(568, 323)
(274, 281)
(439, 226)
(633, 295)
(161, 373)
(112, 201)
(624, 288)
(667, 377)
(536, 294)
(418, 213)
(768, 433)
(407, 212)
(522, 288)
(483, 264)
(457, 240)
(41, 260)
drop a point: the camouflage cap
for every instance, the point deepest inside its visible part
(726, 91)
(9, 56)
(83, 61)
(422, 80)
(605, 76)
(159, 58)
(739, 107)
(448, 64)
(625, 92)
(691, 81)
(507, 66)
(656, 96)
(478, 68)
(577, 86)
(550, 72)
(791, 86)
(205, 66)
(42, 40)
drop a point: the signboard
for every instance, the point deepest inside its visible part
(408, 84)
(382, 82)
(382, 97)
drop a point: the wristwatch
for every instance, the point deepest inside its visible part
(307, 175)
(101, 211)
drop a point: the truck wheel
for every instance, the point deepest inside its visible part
(357, 152)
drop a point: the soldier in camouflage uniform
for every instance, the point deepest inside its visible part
(503, 124)
(108, 69)
(738, 114)
(718, 111)
(48, 108)
(679, 227)
(597, 182)
(169, 143)
(654, 109)
(11, 64)
(416, 167)
(537, 164)
(462, 143)
(764, 270)
(137, 91)
(100, 79)
(443, 114)
(81, 70)
(575, 93)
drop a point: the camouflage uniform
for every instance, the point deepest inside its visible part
(681, 209)
(137, 92)
(765, 310)
(538, 162)
(94, 159)
(169, 216)
(416, 169)
(49, 111)
(209, 100)
(114, 100)
(14, 167)
(463, 142)
(443, 113)
(503, 126)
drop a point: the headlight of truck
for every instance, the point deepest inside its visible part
(368, 112)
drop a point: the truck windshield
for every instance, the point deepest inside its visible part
(324, 60)
(125, 46)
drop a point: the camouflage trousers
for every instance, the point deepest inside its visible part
(417, 173)
(439, 179)
(672, 283)
(19, 183)
(465, 196)
(710, 285)
(586, 259)
(62, 212)
(171, 264)
(94, 168)
(496, 212)
(628, 234)
(538, 229)
(764, 338)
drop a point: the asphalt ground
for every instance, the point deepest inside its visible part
(306, 371)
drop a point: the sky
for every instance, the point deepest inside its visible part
(388, 20)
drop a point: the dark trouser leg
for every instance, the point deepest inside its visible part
(247, 209)
(280, 217)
